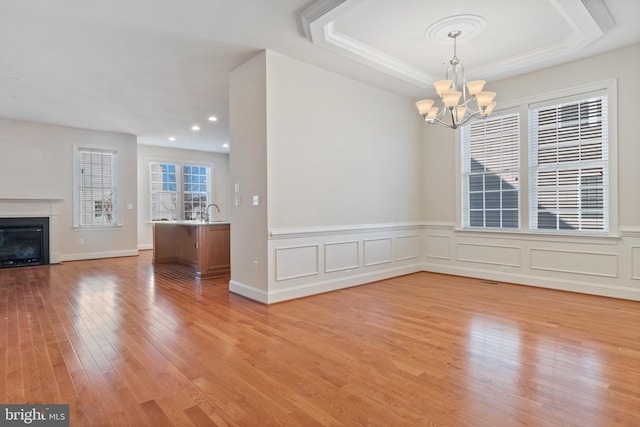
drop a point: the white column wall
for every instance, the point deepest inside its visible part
(337, 171)
(248, 174)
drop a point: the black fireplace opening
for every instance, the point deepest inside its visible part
(24, 241)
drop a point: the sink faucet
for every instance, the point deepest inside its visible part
(206, 217)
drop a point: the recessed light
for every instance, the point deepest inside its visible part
(172, 138)
(213, 119)
(195, 127)
(225, 145)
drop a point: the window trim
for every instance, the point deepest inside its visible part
(117, 196)
(553, 167)
(464, 173)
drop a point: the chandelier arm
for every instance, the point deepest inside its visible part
(454, 118)
(470, 117)
(466, 102)
(453, 124)
(441, 123)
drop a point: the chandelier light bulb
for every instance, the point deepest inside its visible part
(460, 110)
(484, 98)
(451, 98)
(442, 86)
(488, 109)
(424, 106)
(475, 87)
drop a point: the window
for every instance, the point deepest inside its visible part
(490, 172)
(568, 165)
(164, 192)
(179, 191)
(96, 186)
(195, 190)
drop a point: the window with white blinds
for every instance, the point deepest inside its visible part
(195, 190)
(490, 167)
(568, 165)
(164, 191)
(97, 187)
(179, 191)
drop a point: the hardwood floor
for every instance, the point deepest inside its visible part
(126, 343)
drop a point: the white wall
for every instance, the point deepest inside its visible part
(248, 170)
(600, 265)
(36, 177)
(340, 165)
(340, 152)
(219, 163)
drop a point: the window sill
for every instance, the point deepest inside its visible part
(599, 238)
(97, 227)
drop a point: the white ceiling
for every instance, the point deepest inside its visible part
(153, 68)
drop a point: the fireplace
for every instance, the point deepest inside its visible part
(24, 241)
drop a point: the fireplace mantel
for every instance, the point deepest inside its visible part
(34, 206)
(30, 199)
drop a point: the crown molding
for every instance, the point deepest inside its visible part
(374, 58)
(600, 13)
(315, 11)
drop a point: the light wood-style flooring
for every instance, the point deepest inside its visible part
(127, 343)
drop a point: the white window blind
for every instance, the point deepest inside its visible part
(569, 175)
(97, 187)
(490, 166)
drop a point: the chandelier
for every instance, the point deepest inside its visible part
(458, 106)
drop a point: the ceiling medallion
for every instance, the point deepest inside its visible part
(470, 26)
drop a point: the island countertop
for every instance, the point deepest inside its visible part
(193, 222)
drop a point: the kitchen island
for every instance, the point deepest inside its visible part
(205, 245)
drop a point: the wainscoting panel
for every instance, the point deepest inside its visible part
(575, 262)
(407, 247)
(635, 262)
(438, 246)
(304, 262)
(296, 261)
(377, 251)
(599, 265)
(339, 256)
(307, 261)
(488, 254)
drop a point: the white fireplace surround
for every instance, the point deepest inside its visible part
(36, 207)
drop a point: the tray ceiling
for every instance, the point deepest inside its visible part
(408, 39)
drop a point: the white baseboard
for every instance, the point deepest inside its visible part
(315, 288)
(98, 255)
(145, 246)
(248, 291)
(583, 287)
